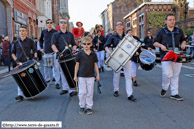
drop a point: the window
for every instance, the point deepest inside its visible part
(128, 24)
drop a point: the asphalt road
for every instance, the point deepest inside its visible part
(149, 112)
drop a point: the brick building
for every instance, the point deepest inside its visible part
(116, 11)
(24, 13)
(137, 20)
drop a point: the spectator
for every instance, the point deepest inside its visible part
(148, 40)
(191, 41)
(6, 50)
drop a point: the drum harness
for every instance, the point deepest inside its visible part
(70, 50)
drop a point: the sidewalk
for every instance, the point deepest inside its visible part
(3, 71)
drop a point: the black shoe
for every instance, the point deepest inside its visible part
(53, 80)
(48, 81)
(177, 97)
(99, 70)
(19, 98)
(135, 83)
(89, 111)
(122, 75)
(81, 111)
(116, 94)
(163, 93)
(57, 86)
(132, 98)
(63, 92)
(102, 68)
(73, 93)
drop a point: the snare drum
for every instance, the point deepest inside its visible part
(185, 58)
(68, 68)
(122, 53)
(48, 60)
(147, 59)
(29, 79)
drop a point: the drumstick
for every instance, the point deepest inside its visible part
(188, 46)
(76, 86)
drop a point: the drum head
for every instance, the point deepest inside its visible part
(147, 57)
(23, 67)
(147, 60)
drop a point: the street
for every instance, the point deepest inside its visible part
(149, 112)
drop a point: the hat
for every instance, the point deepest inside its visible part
(78, 23)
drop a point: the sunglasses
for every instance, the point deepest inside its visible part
(86, 43)
(63, 22)
(49, 22)
(119, 24)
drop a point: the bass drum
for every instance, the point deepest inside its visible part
(29, 79)
(68, 68)
(147, 59)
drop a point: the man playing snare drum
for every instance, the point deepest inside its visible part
(115, 39)
(19, 56)
(45, 45)
(59, 40)
(170, 38)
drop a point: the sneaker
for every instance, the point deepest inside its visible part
(122, 75)
(57, 86)
(163, 93)
(177, 97)
(116, 94)
(99, 70)
(63, 92)
(132, 98)
(19, 98)
(81, 111)
(48, 81)
(89, 111)
(73, 93)
(102, 68)
(53, 80)
(135, 83)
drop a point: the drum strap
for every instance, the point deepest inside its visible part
(173, 42)
(66, 45)
(23, 50)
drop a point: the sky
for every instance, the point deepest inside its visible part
(190, 3)
(87, 11)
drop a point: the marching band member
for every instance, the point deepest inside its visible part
(135, 60)
(45, 45)
(58, 45)
(19, 56)
(86, 62)
(166, 37)
(99, 42)
(79, 25)
(148, 40)
(115, 39)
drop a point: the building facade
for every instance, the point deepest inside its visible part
(149, 16)
(6, 17)
(116, 11)
(44, 12)
(24, 13)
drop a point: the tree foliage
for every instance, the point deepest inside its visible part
(156, 19)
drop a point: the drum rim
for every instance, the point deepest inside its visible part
(12, 72)
(65, 60)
